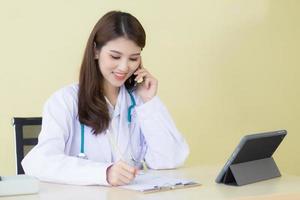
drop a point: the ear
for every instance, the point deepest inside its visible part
(96, 52)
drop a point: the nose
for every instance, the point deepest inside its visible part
(123, 65)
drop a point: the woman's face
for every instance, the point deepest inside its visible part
(118, 59)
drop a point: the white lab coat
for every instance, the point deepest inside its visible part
(54, 158)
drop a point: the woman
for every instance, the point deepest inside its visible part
(101, 130)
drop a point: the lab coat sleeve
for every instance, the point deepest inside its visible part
(47, 160)
(166, 147)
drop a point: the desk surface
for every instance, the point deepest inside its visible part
(286, 186)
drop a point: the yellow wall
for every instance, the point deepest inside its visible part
(225, 67)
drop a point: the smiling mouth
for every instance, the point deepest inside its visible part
(119, 76)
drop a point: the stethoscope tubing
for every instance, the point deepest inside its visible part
(130, 108)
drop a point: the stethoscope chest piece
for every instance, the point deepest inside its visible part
(82, 156)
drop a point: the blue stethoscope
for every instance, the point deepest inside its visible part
(130, 108)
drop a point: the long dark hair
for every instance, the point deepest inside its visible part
(92, 107)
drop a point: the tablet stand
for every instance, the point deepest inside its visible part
(250, 172)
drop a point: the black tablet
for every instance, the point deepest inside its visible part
(253, 147)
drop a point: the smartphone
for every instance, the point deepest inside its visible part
(130, 84)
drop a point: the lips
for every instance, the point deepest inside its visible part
(119, 76)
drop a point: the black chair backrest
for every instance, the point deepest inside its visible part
(27, 130)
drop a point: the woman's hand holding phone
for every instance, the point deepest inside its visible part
(147, 89)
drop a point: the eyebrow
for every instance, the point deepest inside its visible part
(135, 54)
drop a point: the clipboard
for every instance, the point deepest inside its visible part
(171, 187)
(151, 182)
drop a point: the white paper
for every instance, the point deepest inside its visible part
(148, 181)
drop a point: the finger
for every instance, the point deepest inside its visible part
(120, 181)
(124, 180)
(140, 71)
(148, 83)
(143, 75)
(126, 177)
(127, 180)
(127, 174)
(127, 167)
(140, 77)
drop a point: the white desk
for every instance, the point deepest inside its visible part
(286, 184)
